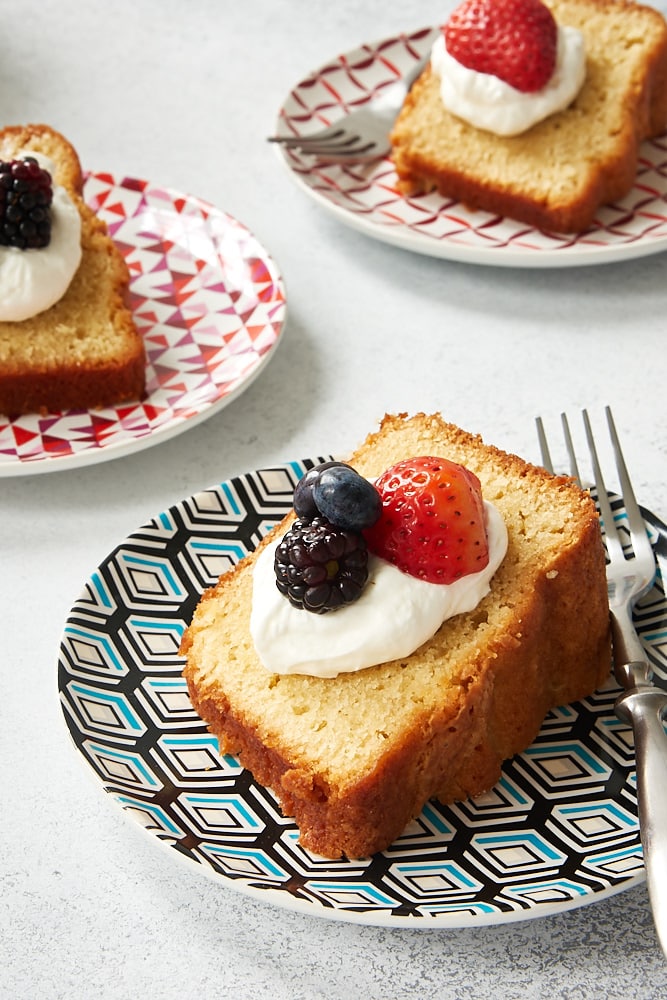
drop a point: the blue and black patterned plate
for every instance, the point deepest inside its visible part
(558, 831)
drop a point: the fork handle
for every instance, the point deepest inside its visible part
(645, 706)
(626, 643)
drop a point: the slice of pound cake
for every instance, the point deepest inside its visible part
(547, 154)
(354, 754)
(67, 338)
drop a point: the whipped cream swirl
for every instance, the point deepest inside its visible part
(395, 614)
(487, 102)
(34, 280)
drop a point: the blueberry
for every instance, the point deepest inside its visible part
(345, 498)
(304, 505)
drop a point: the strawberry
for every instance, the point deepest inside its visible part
(511, 39)
(432, 521)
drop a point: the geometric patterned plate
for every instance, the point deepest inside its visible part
(364, 195)
(559, 829)
(210, 304)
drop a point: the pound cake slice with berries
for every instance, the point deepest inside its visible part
(354, 754)
(67, 337)
(535, 110)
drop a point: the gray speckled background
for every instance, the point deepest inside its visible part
(184, 94)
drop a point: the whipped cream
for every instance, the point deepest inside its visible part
(34, 280)
(488, 103)
(395, 614)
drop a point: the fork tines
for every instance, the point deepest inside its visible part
(325, 136)
(337, 145)
(635, 519)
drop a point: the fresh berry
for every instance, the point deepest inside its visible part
(337, 492)
(511, 39)
(346, 499)
(320, 567)
(26, 193)
(432, 522)
(304, 503)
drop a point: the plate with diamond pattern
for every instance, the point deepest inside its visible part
(364, 196)
(558, 831)
(210, 304)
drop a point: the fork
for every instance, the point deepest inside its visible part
(642, 703)
(362, 135)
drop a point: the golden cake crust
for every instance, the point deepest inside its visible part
(83, 352)
(354, 758)
(557, 174)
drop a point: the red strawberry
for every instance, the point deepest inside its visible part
(512, 39)
(432, 520)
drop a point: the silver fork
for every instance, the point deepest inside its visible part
(630, 576)
(362, 135)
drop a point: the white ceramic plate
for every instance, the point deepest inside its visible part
(558, 831)
(210, 304)
(364, 196)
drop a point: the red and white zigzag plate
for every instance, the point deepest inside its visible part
(364, 196)
(210, 304)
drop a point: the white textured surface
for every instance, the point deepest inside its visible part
(184, 94)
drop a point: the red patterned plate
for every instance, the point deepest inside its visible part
(210, 304)
(364, 196)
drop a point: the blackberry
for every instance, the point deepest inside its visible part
(319, 567)
(26, 193)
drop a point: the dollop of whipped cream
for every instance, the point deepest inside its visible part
(34, 280)
(488, 103)
(395, 614)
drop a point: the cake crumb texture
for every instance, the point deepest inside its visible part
(354, 758)
(557, 174)
(84, 352)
